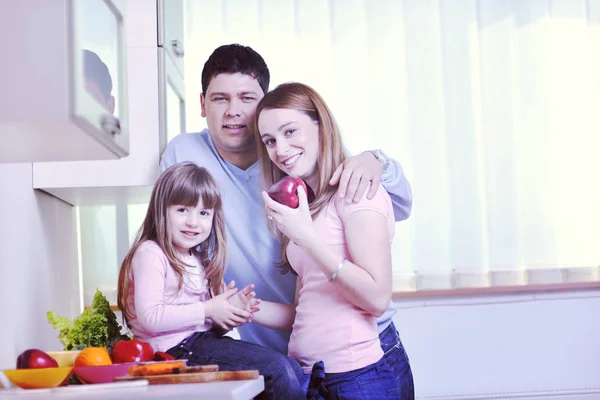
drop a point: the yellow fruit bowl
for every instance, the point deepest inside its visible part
(38, 378)
(64, 358)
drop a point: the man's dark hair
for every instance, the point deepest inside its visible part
(232, 58)
(95, 70)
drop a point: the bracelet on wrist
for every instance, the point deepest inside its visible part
(337, 271)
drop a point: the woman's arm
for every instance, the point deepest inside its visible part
(278, 315)
(367, 281)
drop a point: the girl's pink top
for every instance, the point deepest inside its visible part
(162, 315)
(328, 327)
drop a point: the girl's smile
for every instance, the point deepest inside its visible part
(189, 226)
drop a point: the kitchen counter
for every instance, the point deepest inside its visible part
(227, 390)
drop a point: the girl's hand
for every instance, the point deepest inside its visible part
(245, 299)
(224, 314)
(295, 223)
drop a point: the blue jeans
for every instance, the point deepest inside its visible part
(373, 382)
(396, 358)
(389, 378)
(281, 373)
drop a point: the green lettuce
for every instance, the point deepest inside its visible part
(97, 326)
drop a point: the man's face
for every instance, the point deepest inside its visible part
(229, 106)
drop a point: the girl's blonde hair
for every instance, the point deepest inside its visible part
(181, 184)
(302, 98)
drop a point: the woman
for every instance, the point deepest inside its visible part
(341, 252)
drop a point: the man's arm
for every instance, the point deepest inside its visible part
(395, 183)
(365, 171)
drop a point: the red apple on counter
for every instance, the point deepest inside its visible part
(34, 358)
(284, 191)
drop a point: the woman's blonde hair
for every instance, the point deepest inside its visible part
(181, 184)
(300, 97)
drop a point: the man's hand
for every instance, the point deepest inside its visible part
(356, 174)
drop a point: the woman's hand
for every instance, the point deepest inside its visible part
(295, 223)
(245, 299)
(224, 314)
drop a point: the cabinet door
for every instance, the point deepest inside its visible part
(100, 90)
(129, 179)
(153, 84)
(171, 99)
(171, 30)
(65, 81)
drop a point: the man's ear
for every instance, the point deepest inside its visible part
(203, 105)
(110, 104)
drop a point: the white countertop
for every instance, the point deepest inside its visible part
(228, 390)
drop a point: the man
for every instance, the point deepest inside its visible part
(234, 79)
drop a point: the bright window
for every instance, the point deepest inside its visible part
(492, 108)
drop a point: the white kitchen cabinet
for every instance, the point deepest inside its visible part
(64, 86)
(170, 30)
(156, 114)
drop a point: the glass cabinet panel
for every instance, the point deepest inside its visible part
(171, 30)
(100, 96)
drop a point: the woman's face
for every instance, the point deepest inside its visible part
(292, 141)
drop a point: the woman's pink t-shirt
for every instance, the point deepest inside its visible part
(327, 327)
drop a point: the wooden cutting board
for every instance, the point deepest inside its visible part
(194, 377)
(169, 368)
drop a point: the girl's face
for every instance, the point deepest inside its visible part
(189, 226)
(292, 141)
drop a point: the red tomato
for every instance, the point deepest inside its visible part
(125, 351)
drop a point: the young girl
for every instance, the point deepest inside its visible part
(171, 287)
(341, 252)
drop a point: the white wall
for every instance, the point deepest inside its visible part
(38, 264)
(503, 346)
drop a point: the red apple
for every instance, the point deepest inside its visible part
(34, 358)
(284, 191)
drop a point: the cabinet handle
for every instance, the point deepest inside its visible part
(177, 48)
(111, 124)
